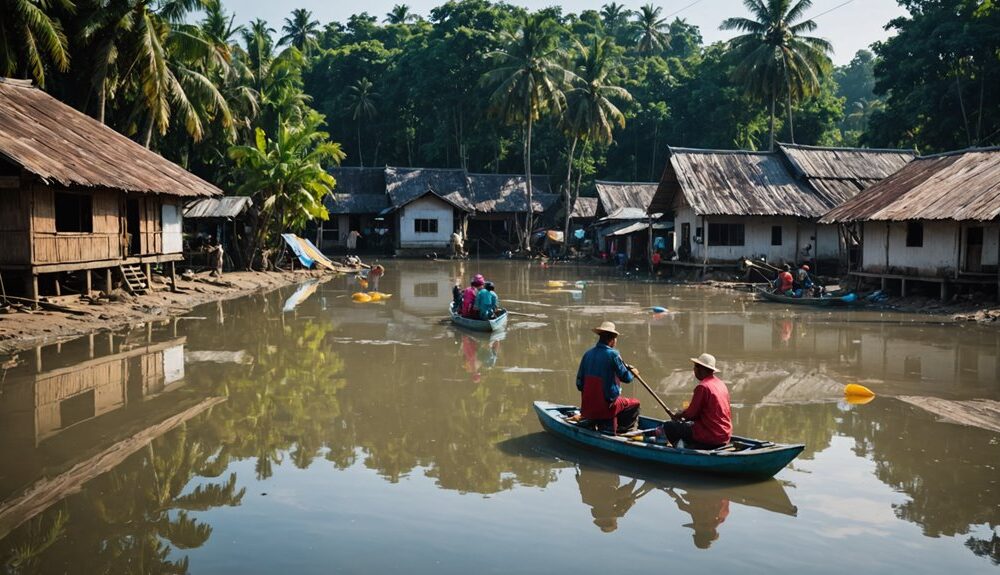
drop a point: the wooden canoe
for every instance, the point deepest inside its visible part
(743, 457)
(833, 300)
(495, 324)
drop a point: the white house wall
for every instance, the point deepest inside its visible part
(937, 257)
(426, 208)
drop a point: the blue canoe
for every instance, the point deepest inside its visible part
(742, 457)
(495, 324)
(835, 299)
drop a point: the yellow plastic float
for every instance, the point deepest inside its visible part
(361, 297)
(555, 283)
(858, 394)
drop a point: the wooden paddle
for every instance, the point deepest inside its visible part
(653, 393)
(531, 315)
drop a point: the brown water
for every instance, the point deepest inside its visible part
(364, 438)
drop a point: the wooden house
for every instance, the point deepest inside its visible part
(500, 204)
(226, 219)
(935, 221)
(356, 205)
(620, 207)
(733, 204)
(77, 197)
(426, 205)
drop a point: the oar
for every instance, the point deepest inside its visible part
(653, 393)
(531, 315)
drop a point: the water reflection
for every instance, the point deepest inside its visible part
(131, 443)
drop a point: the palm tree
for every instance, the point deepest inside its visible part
(29, 36)
(362, 101)
(400, 14)
(591, 115)
(259, 48)
(652, 31)
(529, 83)
(300, 31)
(615, 17)
(774, 56)
(286, 176)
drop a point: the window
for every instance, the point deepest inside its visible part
(423, 226)
(914, 234)
(775, 235)
(725, 234)
(73, 212)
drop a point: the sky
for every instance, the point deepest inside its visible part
(850, 25)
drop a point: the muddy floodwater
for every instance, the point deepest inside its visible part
(299, 431)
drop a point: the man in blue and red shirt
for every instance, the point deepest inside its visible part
(601, 370)
(707, 422)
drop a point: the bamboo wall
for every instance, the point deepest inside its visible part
(15, 230)
(50, 247)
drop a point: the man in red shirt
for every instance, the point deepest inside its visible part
(707, 422)
(785, 280)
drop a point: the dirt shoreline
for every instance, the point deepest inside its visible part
(21, 330)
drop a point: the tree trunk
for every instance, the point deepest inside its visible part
(102, 96)
(652, 153)
(568, 196)
(529, 220)
(148, 138)
(961, 104)
(791, 127)
(770, 146)
(361, 160)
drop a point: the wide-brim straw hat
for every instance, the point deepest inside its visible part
(605, 327)
(706, 360)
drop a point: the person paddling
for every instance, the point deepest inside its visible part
(598, 378)
(707, 422)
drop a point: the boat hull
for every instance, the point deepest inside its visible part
(496, 324)
(834, 301)
(762, 460)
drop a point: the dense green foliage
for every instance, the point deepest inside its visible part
(453, 90)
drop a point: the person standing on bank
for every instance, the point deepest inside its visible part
(599, 380)
(707, 422)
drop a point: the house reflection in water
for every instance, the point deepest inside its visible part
(110, 402)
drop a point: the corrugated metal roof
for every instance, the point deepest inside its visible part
(61, 145)
(629, 229)
(584, 208)
(628, 214)
(614, 196)
(727, 182)
(224, 207)
(407, 184)
(845, 163)
(963, 185)
(507, 193)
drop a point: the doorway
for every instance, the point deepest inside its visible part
(974, 249)
(132, 226)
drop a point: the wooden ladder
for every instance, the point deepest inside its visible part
(135, 280)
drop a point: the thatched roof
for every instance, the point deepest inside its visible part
(354, 180)
(60, 145)
(355, 203)
(224, 207)
(614, 196)
(584, 208)
(507, 193)
(840, 173)
(407, 184)
(963, 185)
(736, 183)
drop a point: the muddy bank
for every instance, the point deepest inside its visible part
(21, 330)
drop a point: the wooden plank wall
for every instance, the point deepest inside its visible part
(150, 225)
(106, 378)
(15, 226)
(104, 243)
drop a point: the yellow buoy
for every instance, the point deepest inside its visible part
(375, 296)
(858, 399)
(361, 297)
(857, 390)
(555, 283)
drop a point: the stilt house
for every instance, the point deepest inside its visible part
(622, 221)
(426, 205)
(356, 205)
(76, 197)
(500, 202)
(935, 222)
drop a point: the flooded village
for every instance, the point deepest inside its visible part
(304, 310)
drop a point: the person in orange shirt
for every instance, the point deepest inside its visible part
(785, 281)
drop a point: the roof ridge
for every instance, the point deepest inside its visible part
(971, 150)
(673, 149)
(848, 149)
(626, 183)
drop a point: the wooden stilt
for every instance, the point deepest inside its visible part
(88, 282)
(108, 285)
(33, 288)
(173, 276)
(58, 288)
(148, 268)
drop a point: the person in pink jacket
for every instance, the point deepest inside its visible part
(469, 296)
